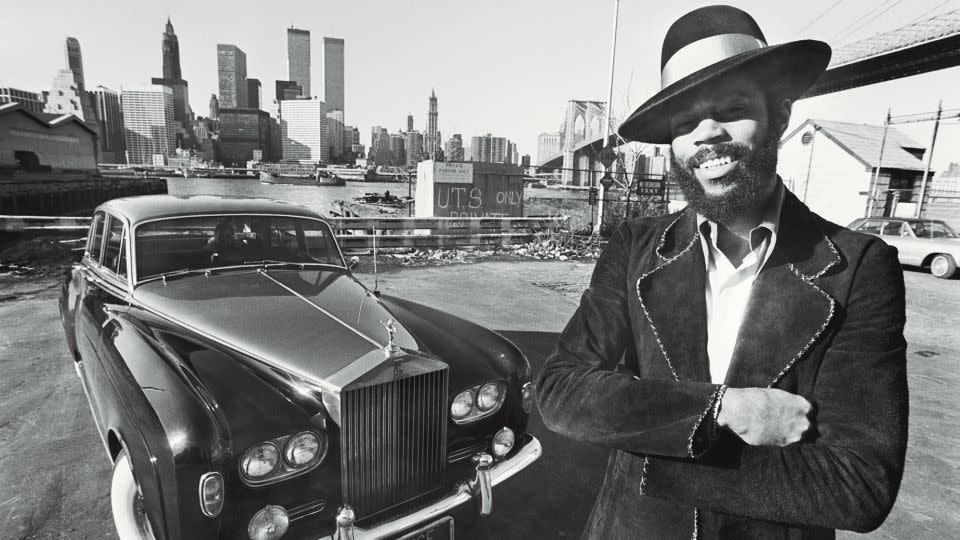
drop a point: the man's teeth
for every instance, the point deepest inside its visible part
(718, 162)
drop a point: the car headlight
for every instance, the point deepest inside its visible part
(488, 397)
(270, 523)
(503, 442)
(303, 448)
(462, 405)
(260, 460)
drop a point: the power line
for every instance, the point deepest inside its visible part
(868, 21)
(929, 11)
(862, 17)
(820, 16)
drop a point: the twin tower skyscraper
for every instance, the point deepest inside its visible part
(298, 67)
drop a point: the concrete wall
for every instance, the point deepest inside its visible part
(836, 179)
(66, 146)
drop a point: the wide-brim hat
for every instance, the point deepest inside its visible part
(712, 42)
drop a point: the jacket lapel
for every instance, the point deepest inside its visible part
(672, 298)
(787, 312)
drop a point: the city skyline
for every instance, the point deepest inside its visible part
(544, 69)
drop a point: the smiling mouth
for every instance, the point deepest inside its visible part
(716, 163)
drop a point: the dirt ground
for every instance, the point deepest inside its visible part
(54, 475)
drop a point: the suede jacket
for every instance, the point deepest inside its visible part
(630, 372)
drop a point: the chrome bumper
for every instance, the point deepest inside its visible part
(478, 490)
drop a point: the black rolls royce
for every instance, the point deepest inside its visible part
(246, 385)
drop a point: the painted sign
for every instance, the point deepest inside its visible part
(493, 190)
(453, 173)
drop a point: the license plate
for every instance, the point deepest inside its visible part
(442, 529)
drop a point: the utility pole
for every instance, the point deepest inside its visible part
(606, 123)
(926, 169)
(872, 197)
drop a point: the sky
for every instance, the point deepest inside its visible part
(505, 67)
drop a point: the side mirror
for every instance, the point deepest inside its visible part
(353, 263)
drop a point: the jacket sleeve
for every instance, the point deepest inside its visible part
(849, 476)
(583, 396)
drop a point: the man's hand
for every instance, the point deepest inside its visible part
(764, 416)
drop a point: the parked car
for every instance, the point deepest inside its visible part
(926, 243)
(245, 384)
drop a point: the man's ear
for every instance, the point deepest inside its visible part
(781, 116)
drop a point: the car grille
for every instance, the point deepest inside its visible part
(393, 440)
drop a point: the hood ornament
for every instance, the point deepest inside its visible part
(391, 348)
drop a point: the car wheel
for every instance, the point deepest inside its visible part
(129, 512)
(943, 266)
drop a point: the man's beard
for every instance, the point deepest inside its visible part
(748, 178)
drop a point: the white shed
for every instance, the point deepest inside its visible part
(830, 166)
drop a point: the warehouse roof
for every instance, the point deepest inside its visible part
(862, 141)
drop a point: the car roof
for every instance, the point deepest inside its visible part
(907, 219)
(150, 207)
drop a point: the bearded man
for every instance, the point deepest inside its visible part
(744, 358)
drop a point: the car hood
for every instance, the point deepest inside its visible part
(313, 323)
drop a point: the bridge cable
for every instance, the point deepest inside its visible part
(818, 17)
(929, 11)
(875, 17)
(856, 25)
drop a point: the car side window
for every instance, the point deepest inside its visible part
(122, 259)
(114, 245)
(871, 226)
(891, 228)
(96, 240)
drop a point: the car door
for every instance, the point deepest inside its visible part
(900, 234)
(104, 289)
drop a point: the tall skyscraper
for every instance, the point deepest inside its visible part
(243, 131)
(548, 146)
(335, 148)
(432, 143)
(75, 62)
(29, 101)
(298, 58)
(214, 107)
(232, 71)
(333, 73)
(253, 94)
(173, 80)
(409, 122)
(490, 149)
(65, 96)
(303, 125)
(148, 123)
(453, 148)
(414, 148)
(171, 54)
(109, 115)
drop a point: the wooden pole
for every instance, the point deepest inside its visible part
(926, 168)
(606, 122)
(872, 198)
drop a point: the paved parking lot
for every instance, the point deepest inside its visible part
(54, 477)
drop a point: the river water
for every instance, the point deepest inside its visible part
(318, 198)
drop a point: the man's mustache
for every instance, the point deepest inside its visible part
(706, 153)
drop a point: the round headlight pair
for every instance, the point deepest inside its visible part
(300, 450)
(474, 402)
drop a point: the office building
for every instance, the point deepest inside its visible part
(398, 149)
(243, 132)
(29, 101)
(414, 148)
(453, 148)
(490, 149)
(548, 146)
(75, 62)
(253, 94)
(432, 139)
(148, 123)
(232, 74)
(303, 125)
(109, 116)
(287, 90)
(409, 122)
(214, 107)
(333, 73)
(171, 54)
(298, 58)
(64, 96)
(335, 135)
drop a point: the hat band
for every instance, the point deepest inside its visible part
(705, 52)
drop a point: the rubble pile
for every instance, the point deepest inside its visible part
(36, 257)
(561, 246)
(424, 257)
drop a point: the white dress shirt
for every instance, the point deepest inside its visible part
(728, 287)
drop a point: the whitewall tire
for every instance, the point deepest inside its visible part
(129, 513)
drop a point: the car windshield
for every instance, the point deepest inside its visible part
(932, 229)
(216, 241)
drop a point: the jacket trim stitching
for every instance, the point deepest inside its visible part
(710, 406)
(656, 335)
(663, 238)
(834, 262)
(696, 524)
(819, 332)
(643, 475)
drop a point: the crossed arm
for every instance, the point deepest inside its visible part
(847, 478)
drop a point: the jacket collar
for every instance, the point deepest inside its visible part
(786, 314)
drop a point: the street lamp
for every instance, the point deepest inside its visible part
(606, 123)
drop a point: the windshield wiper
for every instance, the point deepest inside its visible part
(267, 263)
